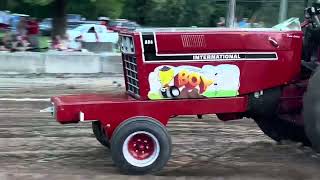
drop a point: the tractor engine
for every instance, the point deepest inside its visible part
(173, 64)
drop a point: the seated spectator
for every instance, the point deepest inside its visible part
(222, 22)
(58, 44)
(244, 23)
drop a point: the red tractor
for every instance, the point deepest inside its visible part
(233, 73)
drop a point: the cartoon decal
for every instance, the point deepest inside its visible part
(169, 82)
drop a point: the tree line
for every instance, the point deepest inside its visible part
(145, 12)
(163, 13)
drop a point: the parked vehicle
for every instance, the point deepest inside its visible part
(122, 25)
(75, 24)
(15, 19)
(130, 26)
(92, 33)
(114, 24)
(75, 17)
(4, 27)
(46, 24)
(234, 73)
(5, 17)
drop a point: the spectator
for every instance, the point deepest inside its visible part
(57, 43)
(244, 23)
(222, 22)
(33, 32)
(261, 24)
(5, 42)
(22, 27)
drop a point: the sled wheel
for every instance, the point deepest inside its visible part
(281, 130)
(100, 134)
(140, 146)
(311, 110)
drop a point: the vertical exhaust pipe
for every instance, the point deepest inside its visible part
(231, 17)
(283, 10)
(306, 3)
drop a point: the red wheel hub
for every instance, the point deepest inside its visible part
(141, 146)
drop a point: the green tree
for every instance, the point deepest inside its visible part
(172, 13)
(58, 10)
(4, 4)
(111, 8)
(95, 8)
(204, 13)
(39, 2)
(139, 10)
(175, 13)
(59, 22)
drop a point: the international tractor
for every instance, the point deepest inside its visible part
(268, 74)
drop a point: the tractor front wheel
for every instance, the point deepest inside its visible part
(311, 110)
(140, 146)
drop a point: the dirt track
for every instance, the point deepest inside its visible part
(34, 146)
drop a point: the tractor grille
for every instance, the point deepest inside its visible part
(131, 74)
(130, 65)
(127, 45)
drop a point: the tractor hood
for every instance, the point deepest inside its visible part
(203, 40)
(185, 41)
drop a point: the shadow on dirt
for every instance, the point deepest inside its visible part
(267, 160)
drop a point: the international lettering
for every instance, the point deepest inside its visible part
(217, 57)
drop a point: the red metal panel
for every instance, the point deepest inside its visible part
(114, 109)
(291, 102)
(221, 41)
(256, 75)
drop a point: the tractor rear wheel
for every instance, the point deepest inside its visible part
(264, 110)
(311, 110)
(280, 130)
(100, 134)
